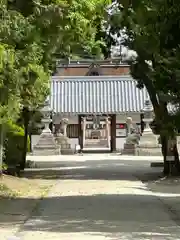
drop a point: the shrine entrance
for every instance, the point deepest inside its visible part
(96, 132)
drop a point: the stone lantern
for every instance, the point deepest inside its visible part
(148, 116)
(148, 144)
(46, 144)
(46, 112)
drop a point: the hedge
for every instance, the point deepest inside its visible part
(14, 143)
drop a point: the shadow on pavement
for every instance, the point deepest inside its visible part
(139, 215)
(96, 170)
(136, 216)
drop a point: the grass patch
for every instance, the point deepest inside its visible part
(6, 192)
(11, 186)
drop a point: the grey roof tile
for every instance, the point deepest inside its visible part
(96, 94)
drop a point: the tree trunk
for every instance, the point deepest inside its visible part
(1, 149)
(176, 157)
(169, 148)
(164, 144)
(160, 110)
(26, 118)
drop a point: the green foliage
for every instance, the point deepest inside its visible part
(9, 85)
(36, 31)
(150, 32)
(35, 124)
(4, 166)
(151, 28)
(31, 35)
(14, 143)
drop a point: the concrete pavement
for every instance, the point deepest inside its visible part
(61, 160)
(102, 199)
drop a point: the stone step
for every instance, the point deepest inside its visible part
(67, 151)
(157, 164)
(42, 173)
(148, 152)
(128, 152)
(95, 150)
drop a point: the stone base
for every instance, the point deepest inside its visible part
(46, 152)
(65, 146)
(67, 150)
(129, 149)
(148, 145)
(149, 151)
(46, 145)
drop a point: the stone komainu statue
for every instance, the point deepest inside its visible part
(133, 138)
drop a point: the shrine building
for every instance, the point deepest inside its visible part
(96, 99)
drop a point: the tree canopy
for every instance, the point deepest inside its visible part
(150, 29)
(147, 27)
(32, 34)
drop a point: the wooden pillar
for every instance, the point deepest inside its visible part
(80, 137)
(108, 132)
(113, 133)
(83, 131)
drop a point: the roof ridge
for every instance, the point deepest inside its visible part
(92, 78)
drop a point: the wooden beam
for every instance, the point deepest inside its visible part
(113, 133)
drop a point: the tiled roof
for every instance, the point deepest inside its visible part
(96, 94)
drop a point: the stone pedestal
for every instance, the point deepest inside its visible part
(129, 149)
(148, 145)
(46, 145)
(63, 142)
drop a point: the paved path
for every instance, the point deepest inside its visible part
(101, 200)
(61, 160)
